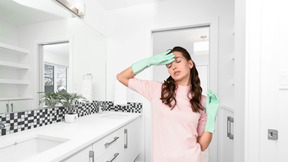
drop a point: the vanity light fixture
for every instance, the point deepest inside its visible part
(201, 47)
(76, 7)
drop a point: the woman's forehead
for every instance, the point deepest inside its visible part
(177, 54)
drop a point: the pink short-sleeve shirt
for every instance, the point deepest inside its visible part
(174, 132)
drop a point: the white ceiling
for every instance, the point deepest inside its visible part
(116, 4)
(16, 14)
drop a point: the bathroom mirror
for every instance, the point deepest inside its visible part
(30, 29)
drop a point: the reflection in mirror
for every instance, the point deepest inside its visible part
(27, 43)
(56, 64)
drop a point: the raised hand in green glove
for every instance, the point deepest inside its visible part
(212, 105)
(160, 59)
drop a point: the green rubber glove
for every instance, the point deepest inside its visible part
(212, 106)
(160, 59)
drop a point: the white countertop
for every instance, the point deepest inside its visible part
(85, 131)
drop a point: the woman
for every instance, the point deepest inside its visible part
(179, 111)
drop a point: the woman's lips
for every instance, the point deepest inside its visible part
(176, 73)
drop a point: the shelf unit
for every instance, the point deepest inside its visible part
(14, 67)
(13, 81)
(15, 98)
(14, 49)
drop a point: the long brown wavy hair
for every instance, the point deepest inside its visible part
(168, 87)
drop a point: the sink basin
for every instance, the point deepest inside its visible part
(24, 148)
(114, 116)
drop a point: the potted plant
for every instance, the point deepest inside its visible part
(50, 99)
(68, 102)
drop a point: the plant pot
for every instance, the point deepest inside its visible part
(71, 118)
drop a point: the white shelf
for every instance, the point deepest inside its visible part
(13, 81)
(15, 98)
(14, 49)
(13, 65)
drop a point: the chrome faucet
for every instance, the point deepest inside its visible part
(2, 126)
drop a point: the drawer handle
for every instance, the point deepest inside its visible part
(109, 143)
(126, 141)
(115, 156)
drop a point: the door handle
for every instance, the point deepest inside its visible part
(229, 121)
(91, 156)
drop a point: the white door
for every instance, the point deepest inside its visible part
(267, 98)
(274, 82)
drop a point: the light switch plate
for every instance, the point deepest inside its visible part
(283, 80)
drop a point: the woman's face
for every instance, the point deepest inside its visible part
(179, 69)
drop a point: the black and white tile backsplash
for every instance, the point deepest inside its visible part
(20, 121)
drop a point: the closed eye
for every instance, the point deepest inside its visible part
(169, 66)
(178, 60)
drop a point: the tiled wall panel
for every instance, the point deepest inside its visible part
(21, 121)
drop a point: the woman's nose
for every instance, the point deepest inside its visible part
(173, 66)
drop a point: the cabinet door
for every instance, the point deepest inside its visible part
(226, 134)
(20, 105)
(132, 140)
(81, 156)
(3, 106)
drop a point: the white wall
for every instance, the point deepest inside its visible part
(95, 16)
(8, 33)
(240, 134)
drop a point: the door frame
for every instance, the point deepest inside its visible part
(213, 63)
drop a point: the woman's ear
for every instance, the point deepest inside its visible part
(190, 62)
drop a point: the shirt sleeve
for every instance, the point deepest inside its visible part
(203, 117)
(144, 87)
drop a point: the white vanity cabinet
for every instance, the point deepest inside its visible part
(8, 106)
(122, 145)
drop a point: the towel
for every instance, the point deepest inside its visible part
(120, 94)
(86, 90)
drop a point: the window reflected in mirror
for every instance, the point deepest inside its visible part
(55, 78)
(56, 64)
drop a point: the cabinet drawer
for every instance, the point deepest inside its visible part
(113, 140)
(115, 154)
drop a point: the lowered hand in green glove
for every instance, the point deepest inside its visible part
(212, 105)
(160, 59)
